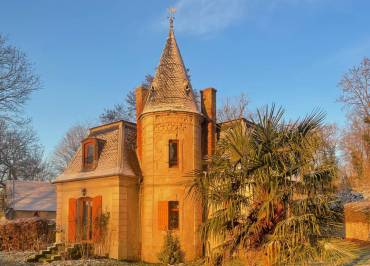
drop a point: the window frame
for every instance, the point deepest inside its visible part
(172, 211)
(173, 163)
(84, 232)
(165, 214)
(85, 144)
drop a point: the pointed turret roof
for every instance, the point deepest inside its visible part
(171, 89)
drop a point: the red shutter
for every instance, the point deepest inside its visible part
(72, 220)
(96, 215)
(163, 215)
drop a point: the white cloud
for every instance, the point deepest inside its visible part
(207, 16)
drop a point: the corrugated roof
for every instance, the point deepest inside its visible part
(171, 89)
(31, 195)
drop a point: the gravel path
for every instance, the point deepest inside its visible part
(18, 259)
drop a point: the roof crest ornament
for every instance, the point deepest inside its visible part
(171, 12)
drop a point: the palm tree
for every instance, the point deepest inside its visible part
(268, 186)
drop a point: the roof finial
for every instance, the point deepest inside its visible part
(171, 17)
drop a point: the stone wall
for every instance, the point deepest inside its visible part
(30, 214)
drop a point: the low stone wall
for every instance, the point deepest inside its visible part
(357, 220)
(26, 234)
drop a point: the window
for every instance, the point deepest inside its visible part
(173, 216)
(173, 152)
(168, 215)
(89, 148)
(84, 219)
(90, 153)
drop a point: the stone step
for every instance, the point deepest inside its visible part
(56, 257)
(51, 253)
(44, 252)
(33, 258)
(43, 260)
(59, 245)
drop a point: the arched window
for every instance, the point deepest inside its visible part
(89, 153)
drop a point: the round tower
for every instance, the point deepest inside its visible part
(169, 149)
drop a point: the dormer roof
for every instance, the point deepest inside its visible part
(116, 154)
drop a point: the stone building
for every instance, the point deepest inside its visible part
(139, 173)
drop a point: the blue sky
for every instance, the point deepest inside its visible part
(89, 53)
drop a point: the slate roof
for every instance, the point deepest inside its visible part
(171, 89)
(117, 154)
(31, 195)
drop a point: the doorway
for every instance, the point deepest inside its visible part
(84, 219)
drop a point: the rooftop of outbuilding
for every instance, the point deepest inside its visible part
(31, 195)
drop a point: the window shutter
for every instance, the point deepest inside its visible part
(96, 215)
(72, 220)
(163, 215)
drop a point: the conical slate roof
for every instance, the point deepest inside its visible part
(171, 89)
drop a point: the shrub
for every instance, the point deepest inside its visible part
(26, 234)
(171, 251)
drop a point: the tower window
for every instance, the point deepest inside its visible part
(173, 153)
(173, 215)
(168, 215)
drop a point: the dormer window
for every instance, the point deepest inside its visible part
(89, 153)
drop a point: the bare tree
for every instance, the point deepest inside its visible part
(355, 85)
(127, 109)
(21, 156)
(118, 112)
(355, 147)
(17, 80)
(67, 147)
(147, 81)
(233, 108)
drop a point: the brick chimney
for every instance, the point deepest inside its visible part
(140, 94)
(208, 108)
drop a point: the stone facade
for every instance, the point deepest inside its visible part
(119, 199)
(140, 173)
(164, 183)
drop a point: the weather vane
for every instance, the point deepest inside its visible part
(171, 17)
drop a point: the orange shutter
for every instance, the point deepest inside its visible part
(163, 215)
(72, 220)
(96, 215)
